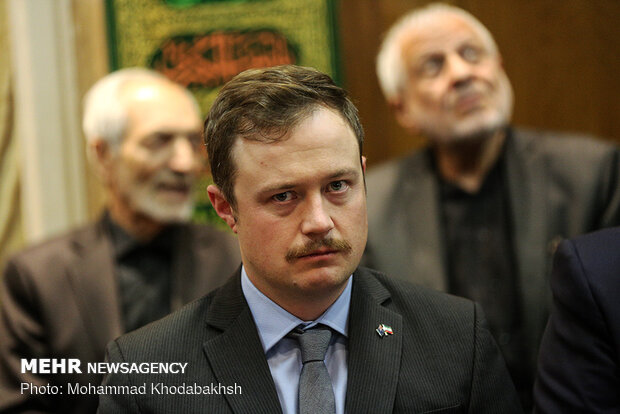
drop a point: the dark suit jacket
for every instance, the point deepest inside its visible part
(579, 362)
(558, 187)
(440, 357)
(60, 300)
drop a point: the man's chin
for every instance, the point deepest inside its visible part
(318, 278)
(166, 213)
(467, 132)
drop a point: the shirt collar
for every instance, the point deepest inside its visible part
(273, 322)
(123, 243)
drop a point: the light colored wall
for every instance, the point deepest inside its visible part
(47, 126)
(11, 236)
(91, 55)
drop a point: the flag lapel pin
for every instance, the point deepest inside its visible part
(384, 330)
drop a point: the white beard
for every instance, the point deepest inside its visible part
(145, 202)
(148, 199)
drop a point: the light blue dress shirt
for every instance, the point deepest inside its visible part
(283, 354)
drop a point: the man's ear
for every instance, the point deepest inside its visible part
(101, 156)
(402, 113)
(363, 164)
(222, 206)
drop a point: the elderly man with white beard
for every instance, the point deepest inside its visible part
(67, 297)
(480, 210)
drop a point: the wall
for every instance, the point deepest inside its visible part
(11, 235)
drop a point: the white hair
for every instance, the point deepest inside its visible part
(106, 113)
(392, 69)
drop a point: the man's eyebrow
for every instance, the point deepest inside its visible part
(283, 186)
(277, 187)
(344, 172)
(174, 131)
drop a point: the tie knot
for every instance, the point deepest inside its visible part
(313, 343)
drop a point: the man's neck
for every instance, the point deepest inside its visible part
(310, 310)
(467, 163)
(305, 306)
(137, 225)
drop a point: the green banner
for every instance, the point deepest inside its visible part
(202, 44)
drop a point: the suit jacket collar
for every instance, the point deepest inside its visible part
(373, 361)
(189, 263)
(428, 255)
(527, 177)
(236, 355)
(96, 290)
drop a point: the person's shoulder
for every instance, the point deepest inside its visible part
(215, 244)
(596, 250)
(444, 321)
(386, 182)
(421, 300)
(208, 234)
(165, 337)
(52, 252)
(389, 171)
(608, 236)
(205, 229)
(562, 144)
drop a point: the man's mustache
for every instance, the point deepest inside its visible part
(169, 177)
(314, 245)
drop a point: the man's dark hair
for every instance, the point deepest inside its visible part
(265, 105)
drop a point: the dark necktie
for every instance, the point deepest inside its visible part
(316, 394)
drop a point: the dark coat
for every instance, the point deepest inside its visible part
(441, 357)
(60, 300)
(558, 187)
(579, 361)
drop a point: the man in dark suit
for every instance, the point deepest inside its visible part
(285, 147)
(69, 296)
(479, 211)
(579, 365)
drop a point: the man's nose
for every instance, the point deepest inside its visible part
(459, 69)
(184, 156)
(316, 219)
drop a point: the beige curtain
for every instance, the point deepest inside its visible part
(11, 235)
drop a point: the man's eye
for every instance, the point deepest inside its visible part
(157, 140)
(431, 66)
(337, 186)
(282, 197)
(195, 140)
(470, 54)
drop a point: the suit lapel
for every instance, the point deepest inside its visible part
(373, 361)
(424, 230)
(202, 262)
(92, 277)
(183, 269)
(235, 353)
(527, 184)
